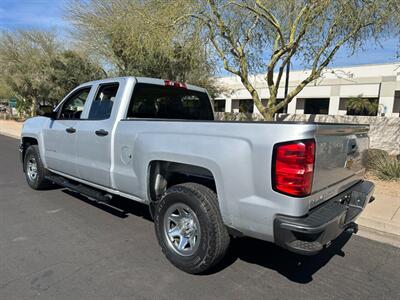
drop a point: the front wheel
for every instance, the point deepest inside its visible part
(189, 227)
(34, 169)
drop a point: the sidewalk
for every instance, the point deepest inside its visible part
(383, 214)
(11, 128)
(379, 221)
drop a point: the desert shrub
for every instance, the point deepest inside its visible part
(387, 168)
(375, 156)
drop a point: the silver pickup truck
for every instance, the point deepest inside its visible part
(155, 141)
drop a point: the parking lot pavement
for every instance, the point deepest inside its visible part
(58, 245)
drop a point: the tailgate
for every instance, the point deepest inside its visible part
(341, 155)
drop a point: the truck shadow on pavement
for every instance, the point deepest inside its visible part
(296, 268)
(118, 206)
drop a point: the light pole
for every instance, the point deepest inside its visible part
(287, 84)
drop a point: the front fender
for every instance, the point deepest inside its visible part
(33, 128)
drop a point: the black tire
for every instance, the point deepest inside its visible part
(214, 240)
(39, 182)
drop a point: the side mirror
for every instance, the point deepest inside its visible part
(46, 111)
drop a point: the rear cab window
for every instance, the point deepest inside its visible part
(152, 101)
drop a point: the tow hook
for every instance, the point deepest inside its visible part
(352, 228)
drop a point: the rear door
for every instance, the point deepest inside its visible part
(94, 134)
(341, 155)
(60, 136)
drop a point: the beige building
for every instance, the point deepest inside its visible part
(378, 83)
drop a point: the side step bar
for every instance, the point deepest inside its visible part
(91, 193)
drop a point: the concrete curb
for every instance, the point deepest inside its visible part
(380, 225)
(10, 135)
(379, 236)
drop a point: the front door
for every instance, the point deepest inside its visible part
(94, 136)
(60, 135)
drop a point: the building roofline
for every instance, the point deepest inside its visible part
(366, 65)
(329, 67)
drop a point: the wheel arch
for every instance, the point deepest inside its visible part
(163, 174)
(26, 142)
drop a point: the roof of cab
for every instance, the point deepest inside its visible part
(148, 80)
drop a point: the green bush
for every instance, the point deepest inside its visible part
(387, 168)
(375, 156)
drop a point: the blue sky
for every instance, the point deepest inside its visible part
(48, 14)
(40, 14)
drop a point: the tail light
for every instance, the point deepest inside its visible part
(293, 168)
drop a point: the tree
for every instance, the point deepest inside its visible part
(69, 69)
(396, 21)
(37, 70)
(250, 36)
(24, 59)
(5, 91)
(363, 106)
(133, 37)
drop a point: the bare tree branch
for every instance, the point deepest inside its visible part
(240, 30)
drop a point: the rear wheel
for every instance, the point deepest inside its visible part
(34, 169)
(189, 227)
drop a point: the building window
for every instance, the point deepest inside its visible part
(343, 104)
(359, 106)
(219, 105)
(246, 106)
(316, 106)
(299, 105)
(396, 106)
(242, 106)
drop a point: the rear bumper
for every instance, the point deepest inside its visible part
(310, 234)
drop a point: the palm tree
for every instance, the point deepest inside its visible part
(362, 106)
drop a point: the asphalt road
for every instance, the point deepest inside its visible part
(57, 245)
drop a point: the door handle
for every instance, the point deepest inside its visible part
(70, 130)
(101, 132)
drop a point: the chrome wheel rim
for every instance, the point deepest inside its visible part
(182, 229)
(32, 169)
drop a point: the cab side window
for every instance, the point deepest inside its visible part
(73, 107)
(103, 103)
